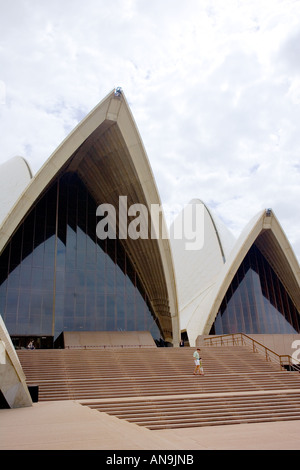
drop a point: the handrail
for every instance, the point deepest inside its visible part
(284, 360)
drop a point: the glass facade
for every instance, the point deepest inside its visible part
(256, 301)
(56, 275)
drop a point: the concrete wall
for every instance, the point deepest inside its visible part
(279, 343)
(107, 339)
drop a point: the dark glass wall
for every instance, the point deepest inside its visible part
(256, 301)
(56, 275)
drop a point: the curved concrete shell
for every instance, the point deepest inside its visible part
(13, 389)
(15, 175)
(106, 152)
(197, 270)
(265, 231)
(204, 276)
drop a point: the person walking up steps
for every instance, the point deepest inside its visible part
(198, 363)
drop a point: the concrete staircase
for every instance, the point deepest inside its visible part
(191, 411)
(156, 387)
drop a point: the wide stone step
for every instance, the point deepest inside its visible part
(163, 414)
(222, 421)
(100, 388)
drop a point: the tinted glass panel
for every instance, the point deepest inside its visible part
(256, 301)
(56, 275)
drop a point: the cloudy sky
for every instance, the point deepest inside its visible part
(214, 87)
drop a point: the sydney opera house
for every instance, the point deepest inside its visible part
(57, 275)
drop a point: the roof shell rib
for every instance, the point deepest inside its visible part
(197, 270)
(107, 153)
(198, 315)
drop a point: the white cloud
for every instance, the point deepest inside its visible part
(214, 88)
